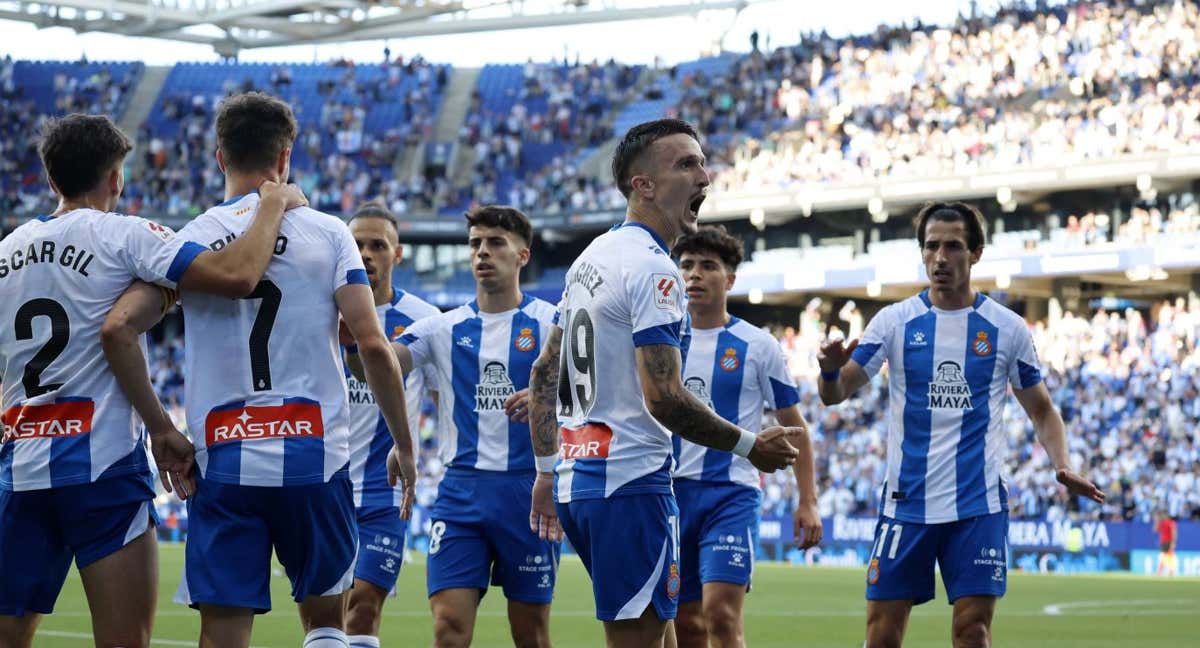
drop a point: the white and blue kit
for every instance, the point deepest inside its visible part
(737, 370)
(268, 412)
(479, 532)
(381, 532)
(75, 475)
(945, 497)
(613, 477)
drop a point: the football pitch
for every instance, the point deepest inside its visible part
(790, 606)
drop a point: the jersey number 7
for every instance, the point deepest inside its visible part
(260, 333)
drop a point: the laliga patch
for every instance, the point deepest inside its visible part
(665, 294)
(161, 231)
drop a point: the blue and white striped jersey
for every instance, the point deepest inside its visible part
(737, 370)
(370, 440)
(479, 360)
(948, 374)
(64, 419)
(266, 401)
(622, 293)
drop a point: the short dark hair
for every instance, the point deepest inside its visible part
(711, 239)
(79, 150)
(637, 141)
(252, 129)
(952, 212)
(506, 218)
(376, 209)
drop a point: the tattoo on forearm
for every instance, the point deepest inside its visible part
(543, 398)
(677, 409)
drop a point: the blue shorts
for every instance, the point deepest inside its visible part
(232, 530)
(381, 535)
(718, 527)
(972, 555)
(42, 530)
(630, 547)
(480, 533)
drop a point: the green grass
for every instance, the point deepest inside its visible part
(790, 606)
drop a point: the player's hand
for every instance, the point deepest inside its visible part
(176, 460)
(806, 525)
(289, 194)
(345, 337)
(402, 468)
(543, 517)
(772, 451)
(1077, 485)
(834, 354)
(517, 406)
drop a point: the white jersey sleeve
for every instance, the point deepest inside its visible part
(349, 267)
(1023, 371)
(874, 347)
(420, 338)
(775, 381)
(656, 304)
(153, 252)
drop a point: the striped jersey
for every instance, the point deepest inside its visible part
(65, 419)
(948, 376)
(264, 385)
(478, 360)
(623, 292)
(370, 440)
(737, 370)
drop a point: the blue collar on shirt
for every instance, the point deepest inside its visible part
(397, 295)
(47, 217)
(236, 198)
(657, 239)
(979, 299)
(525, 301)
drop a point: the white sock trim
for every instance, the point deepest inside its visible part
(364, 641)
(326, 638)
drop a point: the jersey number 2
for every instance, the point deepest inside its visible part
(260, 333)
(60, 334)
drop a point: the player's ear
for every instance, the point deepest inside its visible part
(976, 254)
(523, 256)
(730, 277)
(220, 160)
(399, 254)
(283, 163)
(643, 185)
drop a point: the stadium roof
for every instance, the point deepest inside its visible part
(233, 25)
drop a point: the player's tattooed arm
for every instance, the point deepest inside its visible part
(543, 396)
(660, 370)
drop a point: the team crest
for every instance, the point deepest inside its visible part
(673, 581)
(981, 346)
(525, 341)
(398, 331)
(873, 572)
(730, 362)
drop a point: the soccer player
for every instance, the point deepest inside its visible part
(267, 402)
(619, 394)
(481, 354)
(736, 369)
(75, 479)
(381, 531)
(951, 353)
(1168, 538)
